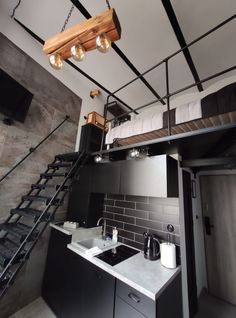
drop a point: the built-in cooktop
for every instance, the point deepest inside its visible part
(117, 254)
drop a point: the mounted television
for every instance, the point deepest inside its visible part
(15, 99)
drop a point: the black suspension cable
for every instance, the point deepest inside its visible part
(108, 4)
(14, 9)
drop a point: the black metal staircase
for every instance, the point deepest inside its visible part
(22, 229)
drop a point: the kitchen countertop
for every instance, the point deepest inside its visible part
(148, 277)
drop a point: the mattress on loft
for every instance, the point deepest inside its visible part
(221, 102)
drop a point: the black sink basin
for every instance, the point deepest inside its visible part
(117, 254)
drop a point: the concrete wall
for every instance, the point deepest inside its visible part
(68, 76)
(52, 101)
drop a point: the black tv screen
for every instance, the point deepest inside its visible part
(15, 99)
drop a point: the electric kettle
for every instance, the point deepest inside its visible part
(151, 246)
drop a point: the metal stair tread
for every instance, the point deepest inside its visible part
(43, 186)
(7, 250)
(51, 175)
(59, 165)
(19, 230)
(15, 233)
(30, 213)
(40, 198)
(70, 156)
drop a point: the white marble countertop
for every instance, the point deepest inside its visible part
(148, 277)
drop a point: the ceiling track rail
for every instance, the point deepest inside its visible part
(87, 15)
(41, 41)
(180, 37)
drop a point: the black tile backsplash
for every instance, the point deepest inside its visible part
(114, 209)
(125, 204)
(124, 219)
(137, 213)
(133, 215)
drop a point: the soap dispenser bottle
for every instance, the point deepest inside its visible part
(115, 234)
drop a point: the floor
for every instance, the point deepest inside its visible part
(208, 307)
(213, 307)
(36, 309)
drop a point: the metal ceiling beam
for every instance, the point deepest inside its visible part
(87, 15)
(208, 162)
(180, 37)
(41, 41)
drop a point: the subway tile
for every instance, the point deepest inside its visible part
(114, 223)
(149, 207)
(160, 234)
(164, 201)
(115, 196)
(137, 245)
(173, 210)
(108, 215)
(136, 198)
(125, 204)
(109, 202)
(149, 224)
(139, 238)
(137, 213)
(163, 236)
(125, 219)
(164, 218)
(135, 229)
(109, 229)
(156, 216)
(127, 235)
(114, 209)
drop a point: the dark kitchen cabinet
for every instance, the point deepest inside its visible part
(153, 176)
(84, 206)
(133, 304)
(88, 292)
(90, 139)
(106, 177)
(55, 270)
(122, 309)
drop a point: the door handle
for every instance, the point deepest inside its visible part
(134, 297)
(208, 225)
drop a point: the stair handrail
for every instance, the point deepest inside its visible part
(32, 149)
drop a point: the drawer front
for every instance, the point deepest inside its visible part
(136, 299)
(123, 310)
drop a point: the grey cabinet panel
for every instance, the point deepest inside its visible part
(106, 178)
(122, 310)
(147, 177)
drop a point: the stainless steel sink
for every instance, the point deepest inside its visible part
(95, 242)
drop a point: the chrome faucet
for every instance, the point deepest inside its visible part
(103, 227)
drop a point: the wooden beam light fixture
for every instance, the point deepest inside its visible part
(95, 33)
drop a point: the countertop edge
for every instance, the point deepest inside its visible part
(61, 229)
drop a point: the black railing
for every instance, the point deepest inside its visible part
(168, 93)
(32, 149)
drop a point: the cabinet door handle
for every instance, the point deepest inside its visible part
(134, 297)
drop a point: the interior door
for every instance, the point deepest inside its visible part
(219, 214)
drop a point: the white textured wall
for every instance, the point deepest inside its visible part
(68, 76)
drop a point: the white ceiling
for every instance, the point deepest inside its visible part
(147, 38)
